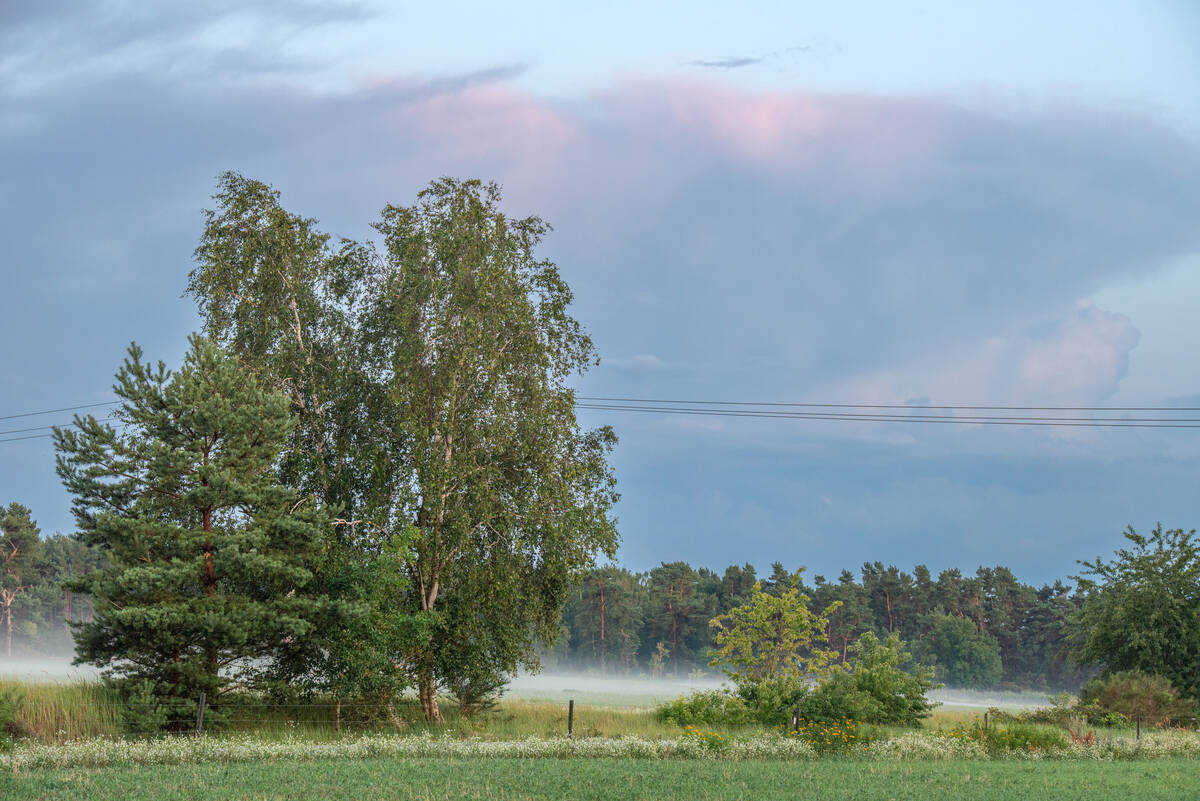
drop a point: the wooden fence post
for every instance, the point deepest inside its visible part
(796, 719)
(571, 718)
(1139, 727)
(200, 715)
(985, 721)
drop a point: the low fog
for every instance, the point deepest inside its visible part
(582, 687)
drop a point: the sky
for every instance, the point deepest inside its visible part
(934, 203)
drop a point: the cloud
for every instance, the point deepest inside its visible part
(728, 63)
(799, 246)
(66, 44)
(775, 57)
(1084, 359)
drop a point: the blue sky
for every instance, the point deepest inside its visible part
(940, 203)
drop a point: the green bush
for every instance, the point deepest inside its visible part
(1144, 696)
(703, 706)
(141, 712)
(1020, 737)
(828, 736)
(839, 698)
(1009, 737)
(874, 689)
(772, 702)
(1064, 710)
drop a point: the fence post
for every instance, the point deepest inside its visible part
(796, 719)
(985, 721)
(1139, 727)
(571, 718)
(200, 715)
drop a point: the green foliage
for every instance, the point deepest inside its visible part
(828, 736)
(207, 568)
(962, 655)
(429, 381)
(874, 689)
(707, 707)
(712, 741)
(142, 712)
(1142, 609)
(20, 548)
(772, 636)
(1019, 737)
(1132, 696)
(476, 687)
(772, 701)
(898, 695)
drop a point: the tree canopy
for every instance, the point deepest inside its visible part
(428, 375)
(773, 636)
(1141, 611)
(207, 555)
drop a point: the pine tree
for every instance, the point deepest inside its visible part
(19, 549)
(207, 556)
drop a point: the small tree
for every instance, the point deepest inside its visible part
(773, 636)
(1136, 696)
(888, 693)
(20, 546)
(207, 556)
(1142, 610)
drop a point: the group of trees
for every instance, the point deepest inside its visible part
(366, 476)
(774, 648)
(986, 630)
(36, 610)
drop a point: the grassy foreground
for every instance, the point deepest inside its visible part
(616, 779)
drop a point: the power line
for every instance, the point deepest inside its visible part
(930, 406)
(64, 409)
(32, 436)
(885, 418)
(815, 411)
(43, 428)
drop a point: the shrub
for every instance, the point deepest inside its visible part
(829, 737)
(839, 698)
(477, 689)
(711, 740)
(1020, 737)
(1064, 710)
(703, 706)
(1010, 738)
(141, 711)
(896, 696)
(1134, 695)
(874, 689)
(772, 702)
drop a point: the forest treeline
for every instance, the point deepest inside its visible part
(986, 630)
(36, 610)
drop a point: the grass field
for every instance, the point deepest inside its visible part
(617, 779)
(77, 709)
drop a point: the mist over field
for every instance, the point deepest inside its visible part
(589, 688)
(559, 686)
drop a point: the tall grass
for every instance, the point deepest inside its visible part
(57, 712)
